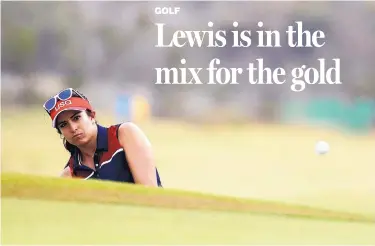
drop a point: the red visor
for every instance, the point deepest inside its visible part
(73, 103)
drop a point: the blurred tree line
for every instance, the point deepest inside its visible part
(84, 42)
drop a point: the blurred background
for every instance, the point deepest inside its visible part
(243, 140)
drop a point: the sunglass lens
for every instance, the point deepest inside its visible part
(65, 94)
(50, 104)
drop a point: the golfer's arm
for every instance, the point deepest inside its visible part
(139, 154)
(66, 173)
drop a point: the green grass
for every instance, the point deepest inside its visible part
(31, 187)
(51, 222)
(51, 210)
(258, 161)
(249, 164)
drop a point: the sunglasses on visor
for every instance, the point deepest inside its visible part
(62, 95)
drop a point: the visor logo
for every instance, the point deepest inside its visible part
(63, 104)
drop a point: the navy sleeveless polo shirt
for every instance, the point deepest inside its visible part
(110, 159)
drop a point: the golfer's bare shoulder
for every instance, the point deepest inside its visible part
(66, 173)
(139, 153)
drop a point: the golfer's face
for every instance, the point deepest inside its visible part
(75, 126)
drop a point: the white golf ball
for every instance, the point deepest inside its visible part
(321, 147)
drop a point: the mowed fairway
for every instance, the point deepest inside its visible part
(49, 222)
(255, 161)
(61, 211)
(270, 162)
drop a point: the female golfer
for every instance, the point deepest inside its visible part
(117, 153)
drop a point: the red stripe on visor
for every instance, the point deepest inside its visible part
(73, 103)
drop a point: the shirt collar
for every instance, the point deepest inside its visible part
(102, 139)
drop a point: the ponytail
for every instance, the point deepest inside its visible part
(68, 146)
